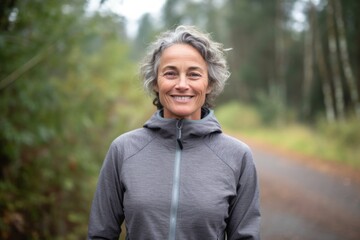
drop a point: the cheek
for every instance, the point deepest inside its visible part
(160, 87)
(208, 89)
(208, 86)
(205, 88)
(165, 86)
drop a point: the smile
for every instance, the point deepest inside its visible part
(182, 98)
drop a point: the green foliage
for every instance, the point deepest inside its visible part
(268, 111)
(338, 142)
(146, 34)
(59, 115)
(238, 116)
(272, 109)
(68, 87)
(346, 133)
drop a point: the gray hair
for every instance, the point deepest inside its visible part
(211, 51)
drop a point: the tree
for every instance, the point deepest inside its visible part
(69, 78)
(344, 56)
(271, 59)
(323, 68)
(308, 60)
(171, 15)
(144, 36)
(332, 38)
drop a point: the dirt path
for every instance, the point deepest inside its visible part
(305, 199)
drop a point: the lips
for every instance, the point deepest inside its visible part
(182, 98)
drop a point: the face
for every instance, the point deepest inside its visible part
(182, 82)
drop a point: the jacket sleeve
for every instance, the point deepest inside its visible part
(244, 215)
(106, 215)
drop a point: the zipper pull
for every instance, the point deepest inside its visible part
(179, 125)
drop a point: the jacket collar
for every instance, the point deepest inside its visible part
(190, 129)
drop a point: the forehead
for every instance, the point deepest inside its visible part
(181, 53)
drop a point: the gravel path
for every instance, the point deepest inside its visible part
(305, 201)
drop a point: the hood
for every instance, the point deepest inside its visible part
(190, 129)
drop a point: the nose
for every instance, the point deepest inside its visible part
(182, 82)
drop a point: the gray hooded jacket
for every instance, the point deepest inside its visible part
(177, 179)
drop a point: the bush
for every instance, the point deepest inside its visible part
(236, 116)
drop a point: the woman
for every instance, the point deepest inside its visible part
(179, 177)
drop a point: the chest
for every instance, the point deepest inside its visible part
(206, 185)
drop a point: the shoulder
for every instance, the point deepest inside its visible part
(234, 152)
(224, 143)
(131, 142)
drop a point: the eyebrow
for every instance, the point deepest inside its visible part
(192, 68)
(196, 68)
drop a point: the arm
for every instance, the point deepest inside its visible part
(244, 215)
(107, 214)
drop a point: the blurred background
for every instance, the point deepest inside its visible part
(69, 85)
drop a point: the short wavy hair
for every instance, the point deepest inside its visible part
(211, 51)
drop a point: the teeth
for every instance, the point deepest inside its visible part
(182, 98)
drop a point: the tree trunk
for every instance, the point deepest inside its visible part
(278, 91)
(308, 62)
(323, 71)
(344, 54)
(339, 95)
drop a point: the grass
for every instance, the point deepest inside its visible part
(338, 142)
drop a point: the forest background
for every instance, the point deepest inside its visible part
(69, 86)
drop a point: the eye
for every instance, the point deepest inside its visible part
(194, 75)
(170, 74)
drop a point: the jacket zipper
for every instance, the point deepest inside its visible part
(176, 182)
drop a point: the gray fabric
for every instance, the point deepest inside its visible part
(219, 192)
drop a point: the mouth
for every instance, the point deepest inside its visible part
(180, 98)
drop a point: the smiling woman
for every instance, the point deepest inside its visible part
(212, 53)
(182, 82)
(179, 177)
